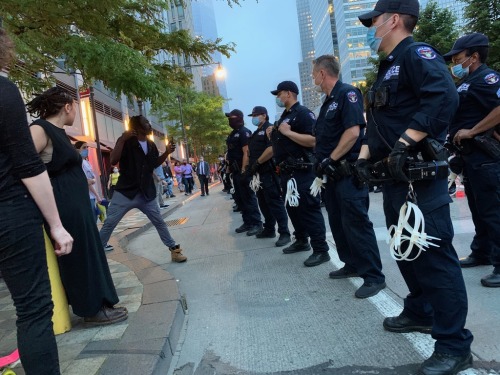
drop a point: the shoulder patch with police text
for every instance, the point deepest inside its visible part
(491, 78)
(333, 106)
(351, 95)
(426, 53)
(463, 87)
(392, 72)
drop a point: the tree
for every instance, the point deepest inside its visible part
(436, 26)
(483, 16)
(203, 114)
(114, 41)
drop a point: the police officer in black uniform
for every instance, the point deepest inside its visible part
(339, 129)
(479, 91)
(411, 104)
(293, 145)
(271, 203)
(237, 156)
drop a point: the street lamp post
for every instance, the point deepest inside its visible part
(103, 174)
(183, 128)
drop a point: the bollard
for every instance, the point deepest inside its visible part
(60, 317)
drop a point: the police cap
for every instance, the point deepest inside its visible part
(467, 41)
(286, 86)
(234, 112)
(410, 7)
(258, 110)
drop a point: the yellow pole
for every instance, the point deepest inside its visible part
(60, 317)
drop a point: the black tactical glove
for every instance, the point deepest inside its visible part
(363, 170)
(329, 167)
(254, 168)
(456, 164)
(396, 161)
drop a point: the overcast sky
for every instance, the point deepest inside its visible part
(267, 50)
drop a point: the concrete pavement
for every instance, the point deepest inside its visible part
(146, 341)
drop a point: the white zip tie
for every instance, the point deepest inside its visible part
(317, 185)
(417, 236)
(232, 184)
(292, 193)
(255, 183)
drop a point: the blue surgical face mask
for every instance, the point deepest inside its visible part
(84, 153)
(458, 71)
(374, 41)
(255, 121)
(279, 103)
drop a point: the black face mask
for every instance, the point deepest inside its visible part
(235, 123)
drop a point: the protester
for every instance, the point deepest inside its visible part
(85, 273)
(138, 157)
(178, 176)
(26, 199)
(113, 180)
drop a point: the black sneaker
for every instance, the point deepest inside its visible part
(403, 324)
(343, 273)
(264, 233)
(315, 259)
(254, 230)
(442, 363)
(243, 228)
(369, 289)
(108, 247)
(283, 240)
(298, 245)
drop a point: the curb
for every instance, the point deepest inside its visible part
(148, 344)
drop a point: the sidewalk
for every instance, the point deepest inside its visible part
(146, 341)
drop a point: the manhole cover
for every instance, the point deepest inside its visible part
(182, 220)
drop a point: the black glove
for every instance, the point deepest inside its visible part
(363, 170)
(329, 167)
(254, 168)
(396, 161)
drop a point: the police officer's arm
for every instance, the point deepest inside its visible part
(266, 155)
(487, 123)
(244, 163)
(347, 140)
(305, 140)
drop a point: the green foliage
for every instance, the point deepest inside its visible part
(483, 16)
(203, 115)
(371, 73)
(113, 41)
(436, 26)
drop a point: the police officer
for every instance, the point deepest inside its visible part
(479, 92)
(237, 156)
(269, 195)
(412, 99)
(293, 145)
(339, 128)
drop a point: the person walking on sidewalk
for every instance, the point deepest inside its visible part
(414, 98)
(138, 157)
(339, 129)
(293, 145)
(269, 196)
(187, 177)
(203, 172)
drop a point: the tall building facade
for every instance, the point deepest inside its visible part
(205, 26)
(455, 6)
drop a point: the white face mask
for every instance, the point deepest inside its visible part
(115, 170)
(317, 88)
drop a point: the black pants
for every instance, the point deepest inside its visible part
(271, 203)
(307, 219)
(24, 268)
(203, 183)
(247, 200)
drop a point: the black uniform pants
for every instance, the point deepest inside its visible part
(347, 207)
(482, 187)
(271, 203)
(248, 200)
(437, 290)
(307, 219)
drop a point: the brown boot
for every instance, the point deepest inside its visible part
(176, 253)
(107, 315)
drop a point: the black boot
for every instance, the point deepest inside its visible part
(298, 245)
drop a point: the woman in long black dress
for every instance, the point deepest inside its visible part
(85, 272)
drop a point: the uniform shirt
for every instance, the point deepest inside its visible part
(18, 156)
(479, 94)
(258, 143)
(341, 110)
(235, 143)
(421, 96)
(136, 169)
(301, 120)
